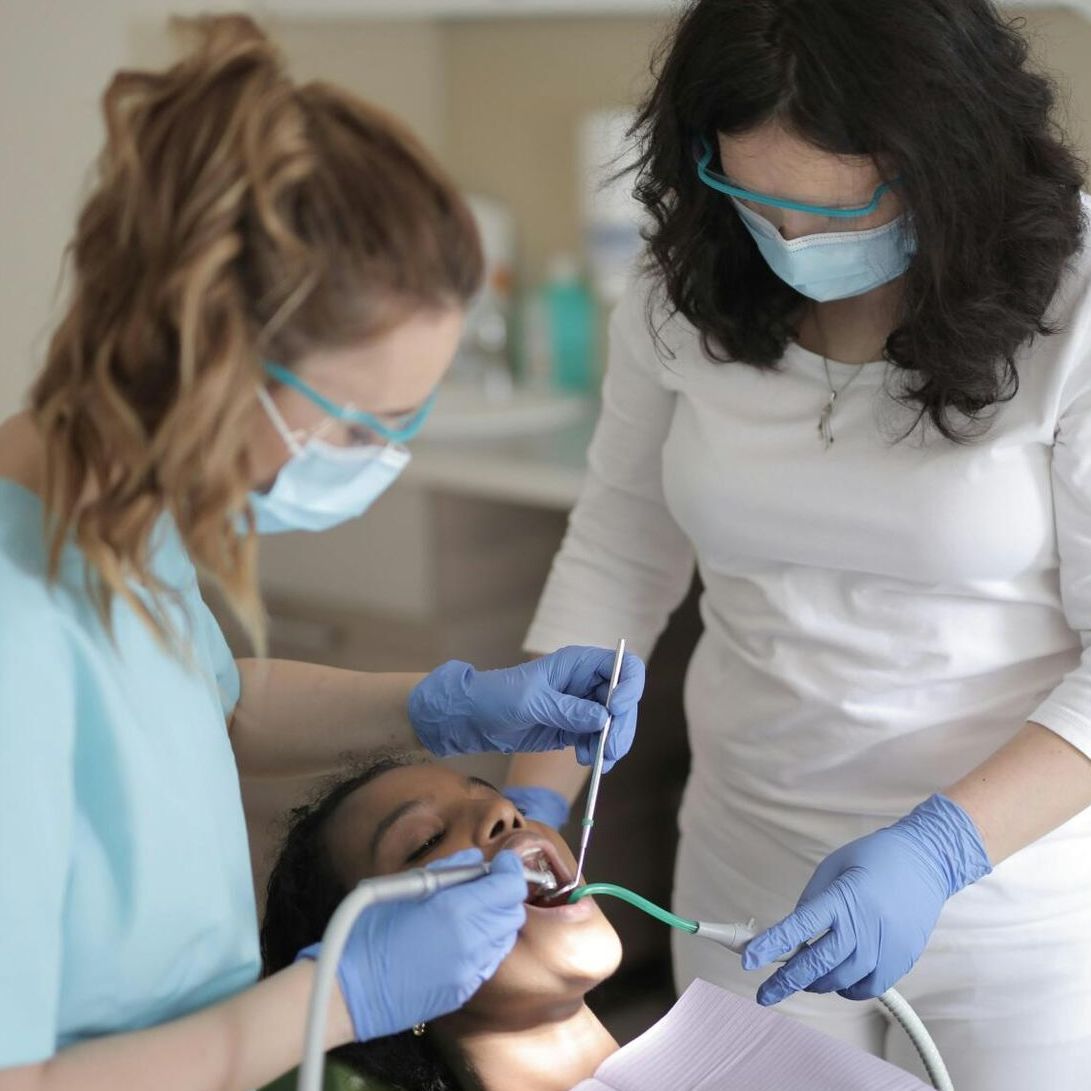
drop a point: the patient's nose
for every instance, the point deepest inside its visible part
(499, 817)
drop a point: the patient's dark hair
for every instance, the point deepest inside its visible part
(940, 94)
(303, 893)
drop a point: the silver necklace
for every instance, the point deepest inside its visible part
(825, 429)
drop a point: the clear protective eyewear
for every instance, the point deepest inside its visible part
(722, 184)
(401, 432)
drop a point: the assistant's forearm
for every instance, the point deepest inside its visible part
(556, 769)
(239, 1044)
(1030, 786)
(302, 719)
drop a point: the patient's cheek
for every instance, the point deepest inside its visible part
(607, 950)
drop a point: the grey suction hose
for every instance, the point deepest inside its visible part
(898, 1009)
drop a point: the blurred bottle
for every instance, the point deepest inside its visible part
(485, 355)
(570, 317)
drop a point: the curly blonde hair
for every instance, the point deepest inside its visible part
(236, 216)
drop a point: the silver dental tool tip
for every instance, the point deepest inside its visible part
(596, 773)
(542, 879)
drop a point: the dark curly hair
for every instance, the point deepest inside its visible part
(940, 93)
(302, 894)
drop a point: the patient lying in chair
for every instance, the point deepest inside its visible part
(528, 1028)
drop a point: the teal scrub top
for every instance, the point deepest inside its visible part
(126, 896)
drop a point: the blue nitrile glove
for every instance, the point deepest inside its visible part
(408, 962)
(540, 804)
(548, 704)
(878, 897)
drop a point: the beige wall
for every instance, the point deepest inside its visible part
(516, 92)
(399, 65)
(52, 63)
(1062, 44)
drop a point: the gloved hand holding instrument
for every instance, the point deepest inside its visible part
(551, 703)
(408, 962)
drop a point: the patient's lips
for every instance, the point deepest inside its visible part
(541, 854)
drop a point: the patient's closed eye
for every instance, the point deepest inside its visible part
(426, 847)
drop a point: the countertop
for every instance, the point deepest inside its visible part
(537, 467)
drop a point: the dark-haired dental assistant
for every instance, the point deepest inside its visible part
(853, 386)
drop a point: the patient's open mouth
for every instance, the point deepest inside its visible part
(540, 855)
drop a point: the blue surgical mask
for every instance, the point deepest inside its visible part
(322, 485)
(834, 264)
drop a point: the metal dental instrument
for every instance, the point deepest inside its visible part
(540, 878)
(596, 773)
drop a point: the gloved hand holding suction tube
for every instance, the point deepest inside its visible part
(551, 703)
(877, 900)
(407, 962)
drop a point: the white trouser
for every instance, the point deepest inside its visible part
(1004, 985)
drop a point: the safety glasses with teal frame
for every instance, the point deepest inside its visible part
(405, 431)
(722, 184)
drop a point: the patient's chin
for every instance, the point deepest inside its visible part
(585, 950)
(551, 964)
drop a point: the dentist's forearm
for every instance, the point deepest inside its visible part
(556, 769)
(239, 1044)
(1030, 786)
(301, 719)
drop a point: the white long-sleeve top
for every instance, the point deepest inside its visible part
(879, 616)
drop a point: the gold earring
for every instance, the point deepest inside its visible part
(419, 1029)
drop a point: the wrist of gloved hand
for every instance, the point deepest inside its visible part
(871, 906)
(950, 840)
(440, 709)
(540, 804)
(551, 703)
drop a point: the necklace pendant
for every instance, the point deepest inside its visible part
(825, 428)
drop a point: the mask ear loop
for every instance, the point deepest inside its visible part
(278, 421)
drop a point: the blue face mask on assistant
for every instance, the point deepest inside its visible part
(833, 264)
(827, 265)
(323, 485)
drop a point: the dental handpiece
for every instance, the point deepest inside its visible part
(426, 881)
